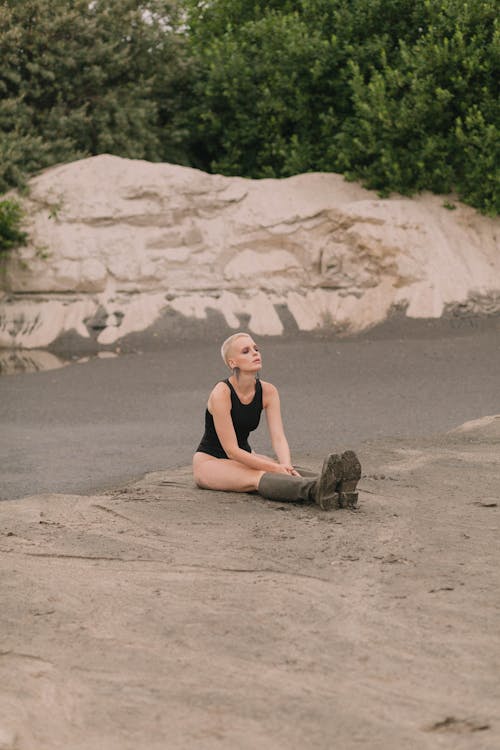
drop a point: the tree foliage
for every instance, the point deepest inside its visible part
(429, 119)
(80, 78)
(11, 233)
(401, 94)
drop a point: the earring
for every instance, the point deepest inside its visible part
(236, 372)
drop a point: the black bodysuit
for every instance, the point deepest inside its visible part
(245, 419)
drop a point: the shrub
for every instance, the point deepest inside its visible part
(400, 94)
(11, 233)
(82, 78)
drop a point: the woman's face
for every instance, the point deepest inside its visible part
(245, 355)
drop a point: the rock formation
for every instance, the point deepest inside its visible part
(116, 245)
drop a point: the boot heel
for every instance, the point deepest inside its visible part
(348, 499)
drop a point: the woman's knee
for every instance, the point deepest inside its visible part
(200, 476)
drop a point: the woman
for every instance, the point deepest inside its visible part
(224, 459)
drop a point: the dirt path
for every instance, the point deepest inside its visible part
(161, 616)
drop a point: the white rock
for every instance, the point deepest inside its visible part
(334, 253)
(94, 275)
(249, 264)
(8, 739)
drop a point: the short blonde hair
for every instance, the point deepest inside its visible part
(226, 346)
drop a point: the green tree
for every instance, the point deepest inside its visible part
(80, 78)
(430, 118)
(281, 70)
(255, 97)
(402, 94)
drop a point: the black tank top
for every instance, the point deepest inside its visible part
(245, 418)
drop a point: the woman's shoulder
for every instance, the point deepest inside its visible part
(268, 390)
(220, 391)
(267, 386)
(220, 396)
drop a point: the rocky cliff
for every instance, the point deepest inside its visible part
(117, 246)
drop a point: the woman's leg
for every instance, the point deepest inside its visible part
(224, 474)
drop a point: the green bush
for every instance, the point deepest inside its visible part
(400, 94)
(82, 78)
(430, 118)
(11, 234)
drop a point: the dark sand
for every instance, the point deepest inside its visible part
(88, 427)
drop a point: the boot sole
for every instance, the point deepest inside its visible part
(351, 474)
(327, 496)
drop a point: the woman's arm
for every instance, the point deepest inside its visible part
(271, 403)
(219, 405)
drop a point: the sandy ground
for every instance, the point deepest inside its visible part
(162, 616)
(87, 427)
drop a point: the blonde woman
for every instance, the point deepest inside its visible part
(224, 459)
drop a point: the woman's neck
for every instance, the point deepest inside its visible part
(244, 383)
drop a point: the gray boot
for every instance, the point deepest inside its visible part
(320, 490)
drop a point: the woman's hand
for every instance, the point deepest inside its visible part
(288, 469)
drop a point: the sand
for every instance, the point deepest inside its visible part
(162, 616)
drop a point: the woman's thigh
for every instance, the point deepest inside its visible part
(224, 474)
